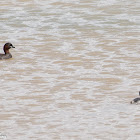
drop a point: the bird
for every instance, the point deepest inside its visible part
(7, 54)
(136, 100)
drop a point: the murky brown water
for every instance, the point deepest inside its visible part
(75, 68)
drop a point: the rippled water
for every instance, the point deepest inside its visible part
(74, 70)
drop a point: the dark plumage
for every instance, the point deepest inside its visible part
(136, 100)
(6, 54)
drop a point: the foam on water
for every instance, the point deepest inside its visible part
(74, 70)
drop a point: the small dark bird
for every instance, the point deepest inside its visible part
(136, 100)
(6, 54)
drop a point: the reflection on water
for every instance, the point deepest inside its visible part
(74, 70)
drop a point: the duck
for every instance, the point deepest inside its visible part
(136, 100)
(6, 48)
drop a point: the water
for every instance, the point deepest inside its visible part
(74, 70)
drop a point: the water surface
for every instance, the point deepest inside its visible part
(74, 70)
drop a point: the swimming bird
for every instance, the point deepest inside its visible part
(6, 48)
(136, 100)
